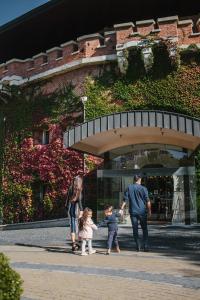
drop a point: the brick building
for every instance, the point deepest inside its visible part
(159, 144)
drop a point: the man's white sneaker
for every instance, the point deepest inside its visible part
(84, 253)
(92, 252)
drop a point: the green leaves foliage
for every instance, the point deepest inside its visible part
(168, 86)
(10, 281)
(178, 92)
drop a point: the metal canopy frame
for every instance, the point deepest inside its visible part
(137, 118)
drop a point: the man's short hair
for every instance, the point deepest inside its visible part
(137, 177)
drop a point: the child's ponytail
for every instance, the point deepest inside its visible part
(81, 223)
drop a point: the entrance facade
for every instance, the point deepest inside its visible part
(159, 145)
(168, 173)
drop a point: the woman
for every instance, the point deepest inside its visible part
(74, 207)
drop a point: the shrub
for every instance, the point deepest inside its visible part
(10, 281)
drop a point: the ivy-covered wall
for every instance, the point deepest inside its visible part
(166, 80)
(29, 168)
(170, 84)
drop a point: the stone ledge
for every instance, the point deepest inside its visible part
(2, 65)
(53, 49)
(38, 224)
(145, 22)
(75, 52)
(68, 67)
(134, 33)
(44, 64)
(68, 43)
(39, 55)
(155, 30)
(30, 69)
(129, 24)
(109, 32)
(185, 22)
(59, 58)
(194, 34)
(13, 60)
(167, 19)
(89, 36)
(102, 46)
(198, 21)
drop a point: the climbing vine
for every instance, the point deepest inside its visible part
(26, 111)
(172, 84)
(156, 75)
(178, 92)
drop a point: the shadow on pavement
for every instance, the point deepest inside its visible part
(166, 241)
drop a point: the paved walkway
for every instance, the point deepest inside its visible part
(50, 271)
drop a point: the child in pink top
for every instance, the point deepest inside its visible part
(86, 227)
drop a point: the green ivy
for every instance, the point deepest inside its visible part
(191, 55)
(10, 281)
(22, 110)
(136, 68)
(168, 86)
(178, 92)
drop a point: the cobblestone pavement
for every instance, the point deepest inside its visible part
(50, 271)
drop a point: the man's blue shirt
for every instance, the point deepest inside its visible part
(137, 196)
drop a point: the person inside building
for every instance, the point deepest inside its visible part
(139, 205)
(75, 208)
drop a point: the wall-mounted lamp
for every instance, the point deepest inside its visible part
(84, 100)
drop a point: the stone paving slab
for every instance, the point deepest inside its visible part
(61, 275)
(151, 262)
(50, 285)
(165, 238)
(50, 270)
(184, 281)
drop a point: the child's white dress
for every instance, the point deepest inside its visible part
(86, 235)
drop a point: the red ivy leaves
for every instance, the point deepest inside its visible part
(52, 164)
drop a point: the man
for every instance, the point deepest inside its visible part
(139, 204)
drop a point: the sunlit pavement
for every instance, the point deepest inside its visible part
(50, 271)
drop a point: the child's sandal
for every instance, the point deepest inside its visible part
(78, 246)
(74, 247)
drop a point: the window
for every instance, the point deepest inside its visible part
(45, 137)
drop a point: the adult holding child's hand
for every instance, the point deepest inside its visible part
(139, 206)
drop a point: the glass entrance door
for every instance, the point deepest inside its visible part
(109, 192)
(171, 191)
(161, 190)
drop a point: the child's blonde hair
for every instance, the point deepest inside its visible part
(84, 217)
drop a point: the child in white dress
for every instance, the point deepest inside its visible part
(86, 227)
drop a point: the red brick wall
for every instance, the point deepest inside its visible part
(97, 45)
